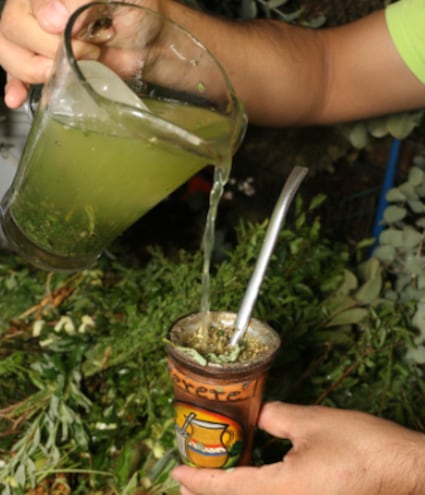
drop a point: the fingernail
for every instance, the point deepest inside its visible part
(53, 15)
(173, 473)
(11, 101)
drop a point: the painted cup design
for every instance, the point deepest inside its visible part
(207, 439)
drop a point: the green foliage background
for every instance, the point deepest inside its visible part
(85, 399)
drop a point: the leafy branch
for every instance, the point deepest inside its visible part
(90, 405)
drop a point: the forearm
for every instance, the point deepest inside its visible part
(271, 64)
(416, 461)
(284, 74)
(288, 75)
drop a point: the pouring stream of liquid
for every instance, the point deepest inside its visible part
(280, 210)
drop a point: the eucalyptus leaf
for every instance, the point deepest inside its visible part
(403, 280)
(414, 264)
(20, 476)
(401, 125)
(370, 290)
(248, 9)
(409, 191)
(416, 176)
(338, 304)
(358, 135)
(369, 269)
(348, 317)
(420, 190)
(192, 354)
(416, 206)
(348, 284)
(395, 195)
(378, 127)
(420, 222)
(419, 161)
(412, 293)
(394, 214)
(385, 253)
(225, 357)
(365, 243)
(317, 22)
(411, 237)
(417, 355)
(291, 17)
(421, 281)
(273, 4)
(10, 282)
(131, 486)
(391, 237)
(419, 317)
(391, 295)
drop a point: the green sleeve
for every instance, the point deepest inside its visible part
(406, 24)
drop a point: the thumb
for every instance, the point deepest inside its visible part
(52, 15)
(244, 480)
(15, 93)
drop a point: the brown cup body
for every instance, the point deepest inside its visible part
(217, 405)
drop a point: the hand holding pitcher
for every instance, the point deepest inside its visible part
(112, 137)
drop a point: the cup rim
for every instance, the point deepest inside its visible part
(264, 361)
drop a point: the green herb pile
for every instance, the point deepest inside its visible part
(85, 399)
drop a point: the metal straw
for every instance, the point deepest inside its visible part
(280, 210)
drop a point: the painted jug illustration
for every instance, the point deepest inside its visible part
(207, 439)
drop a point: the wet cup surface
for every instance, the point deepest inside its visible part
(217, 405)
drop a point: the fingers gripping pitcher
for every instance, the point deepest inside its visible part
(114, 136)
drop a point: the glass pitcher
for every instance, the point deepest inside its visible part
(112, 137)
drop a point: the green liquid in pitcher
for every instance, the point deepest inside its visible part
(83, 187)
